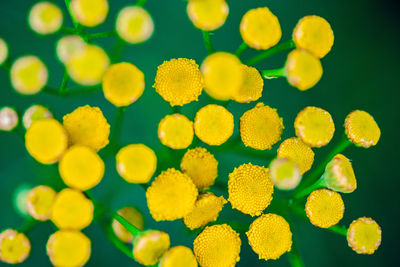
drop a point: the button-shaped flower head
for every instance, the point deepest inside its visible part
(8, 119)
(150, 246)
(68, 45)
(134, 217)
(207, 15)
(339, 175)
(134, 24)
(364, 235)
(252, 86)
(175, 131)
(362, 129)
(3, 51)
(179, 256)
(89, 13)
(297, 151)
(14, 246)
(284, 173)
(39, 201)
(45, 18)
(34, 113)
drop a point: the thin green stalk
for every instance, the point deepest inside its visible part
(132, 229)
(274, 73)
(243, 46)
(116, 132)
(63, 88)
(141, 2)
(28, 225)
(320, 183)
(207, 42)
(69, 30)
(117, 50)
(74, 22)
(338, 229)
(270, 52)
(92, 36)
(294, 256)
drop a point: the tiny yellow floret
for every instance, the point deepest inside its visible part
(45, 18)
(207, 15)
(179, 256)
(8, 119)
(35, 113)
(175, 131)
(362, 129)
(297, 151)
(364, 235)
(339, 175)
(68, 45)
(284, 173)
(39, 201)
(3, 51)
(150, 246)
(134, 217)
(14, 246)
(134, 24)
(89, 13)
(252, 86)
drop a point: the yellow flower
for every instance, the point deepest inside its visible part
(68, 45)
(206, 210)
(134, 24)
(136, 163)
(270, 236)
(3, 51)
(314, 126)
(178, 256)
(8, 119)
(217, 245)
(339, 175)
(134, 217)
(223, 75)
(87, 65)
(250, 189)
(89, 13)
(28, 75)
(45, 18)
(303, 70)
(171, 196)
(261, 127)
(179, 81)
(324, 208)
(295, 149)
(260, 29)
(175, 131)
(68, 248)
(314, 34)
(81, 168)
(71, 210)
(362, 129)
(34, 113)
(150, 246)
(364, 235)
(39, 202)
(14, 246)
(87, 126)
(252, 86)
(201, 166)
(213, 124)
(207, 15)
(46, 140)
(284, 173)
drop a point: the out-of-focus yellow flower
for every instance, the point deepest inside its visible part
(46, 140)
(261, 127)
(14, 246)
(34, 113)
(178, 256)
(223, 75)
(89, 13)
(206, 209)
(150, 246)
(8, 119)
(68, 248)
(87, 126)
(71, 210)
(28, 75)
(171, 196)
(314, 34)
(68, 45)
(252, 86)
(297, 151)
(39, 202)
(179, 81)
(250, 189)
(324, 208)
(362, 129)
(175, 131)
(45, 18)
(364, 235)
(134, 24)
(207, 15)
(260, 29)
(134, 217)
(339, 175)
(3, 51)
(284, 173)
(217, 245)
(270, 236)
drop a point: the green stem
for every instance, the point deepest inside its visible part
(294, 256)
(270, 52)
(98, 35)
(207, 42)
(243, 46)
(115, 135)
(274, 73)
(320, 183)
(141, 2)
(117, 50)
(132, 229)
(74, 22)
(338, 229)
(63, 88)
(28, 225)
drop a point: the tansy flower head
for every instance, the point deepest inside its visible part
(270, 236)
(339, 175)
(207, 15)
(150, 246)
(206, 209)
(252, 86)
(134, 24)
(178, 256)
(175, 131)
(297, 151)
(250, 189)
(213, 124)
(364, 235)
(362, 129)
(134, 217)
(314, 34)
(171, 196)
(261, 127)
(46, 140)
(8, 119)
(136, 163)
(71, 210)
(223, 75)
(324, 208)
(87, 126)
(179, 81)
(39, 202)
(217, 245)
(34, 113)
(89, 13)
(284, 173)
(81, 168)
(314, 126)
(14, 247)
(260, 29)
(45, 18)
(3, 51)
(28, 75)
(201, 166)
(68, 45)
(68, 248)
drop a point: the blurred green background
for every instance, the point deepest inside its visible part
(361, 72)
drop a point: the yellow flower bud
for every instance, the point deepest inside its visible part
(178, 256)
(39, 202)
(364, 235)
(284, 173)
(150, 246)
(134, 217)
(134, 24)
(8, 119)
(297, 151)
(35, 113)
(68, 45)
(207, 15)
(89, 13)
(339, 175)
(252, 86)
(45, 18)
(362, 129)
(175, 131)
(14, 247)
(3, 51)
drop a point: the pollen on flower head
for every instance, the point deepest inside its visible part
(39, 202)
(175, 131)
(179, 81)
(297, 151)
(217, 245)
(314, 126)
(45, 18)
(68, 45)
(339, 175)
(270, 236)
(261, 127)
(252, 86)
(150, 246)
(8, 119)
(362, 129)
(364, 235)
(14, 246)
(87, 126)
(3, 51)
(34, 113)
(134, 217)
(260, 29)
(284, 173)
(171, 195)
(207, 15)
(179, 256)
(314, 34)
(89, 13)
(134, 24)
(250, 189)
(324, 208)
